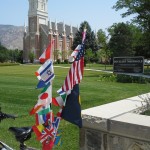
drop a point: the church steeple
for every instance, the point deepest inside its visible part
(39, 8)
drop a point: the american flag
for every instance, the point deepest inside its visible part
(76, 71)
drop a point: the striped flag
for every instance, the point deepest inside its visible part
(43, 115)
(58, 101)
(44, 119)
(74, 54)
(38, 130)
(76, 71)
(47, 52)
(46, 72)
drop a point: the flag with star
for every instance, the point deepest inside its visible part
(75, 73)
(45, 73)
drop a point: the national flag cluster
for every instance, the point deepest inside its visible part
(68, 99)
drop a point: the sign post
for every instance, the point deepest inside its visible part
(128, 64)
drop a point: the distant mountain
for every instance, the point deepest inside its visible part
(12, 36)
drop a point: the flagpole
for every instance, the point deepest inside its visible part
(51, 57)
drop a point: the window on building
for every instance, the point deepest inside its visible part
(33, 4)
(42, 6)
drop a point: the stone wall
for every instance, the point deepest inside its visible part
(116, 126)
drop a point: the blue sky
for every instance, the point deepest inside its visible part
(98, 13)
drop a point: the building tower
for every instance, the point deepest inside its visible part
(41, 31)
(37, 14)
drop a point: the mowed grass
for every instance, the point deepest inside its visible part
(18, 96)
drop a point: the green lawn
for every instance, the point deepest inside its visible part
(18, 96)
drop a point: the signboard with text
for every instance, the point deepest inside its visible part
(128, 64)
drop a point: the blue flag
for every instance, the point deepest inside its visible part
(72, 110)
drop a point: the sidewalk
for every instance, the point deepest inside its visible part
(130, 74)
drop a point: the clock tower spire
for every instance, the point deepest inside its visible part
(37, 15)
(39, 9)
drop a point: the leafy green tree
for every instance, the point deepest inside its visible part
(101, 38)
(103, 44)
(120, 43)
(89, 55)
(141, 10)
(137, 40)
(31, 57)
(4, 54)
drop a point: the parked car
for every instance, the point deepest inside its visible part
(147, 61)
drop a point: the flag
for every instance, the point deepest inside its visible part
(46, 94)
(47, 144)
(38, 130)
(58, 139)
(55, 124)
(47, 52)
(41, 84)
(58, 101)
(45, 98)
(74, 53)
(59, 112)
(72, 110)
(50, 131)
(76, 71)
(47, 134)
(46, 72)
(43, 115)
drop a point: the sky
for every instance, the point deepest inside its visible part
(98, 13)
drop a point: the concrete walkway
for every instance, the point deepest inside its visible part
(86, 69)
(130, 74)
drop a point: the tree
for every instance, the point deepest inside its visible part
(31, 57)
(90, 41)
(137, 40)
(120, 43)
(4, 54)
(139, 7)
(89, 55)
(141, 10)
(102, 39)
(90, 37)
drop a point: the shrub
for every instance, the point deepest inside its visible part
(66, 61)
(107, 77)
(123, 78)
(131, 79)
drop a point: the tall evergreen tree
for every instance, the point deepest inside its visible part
(90, 41)
(90, 37)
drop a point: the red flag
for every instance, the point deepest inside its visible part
(48, 144)
(47, 52)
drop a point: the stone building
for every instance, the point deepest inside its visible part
(41, 31)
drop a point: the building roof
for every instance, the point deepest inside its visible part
(60, 29)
